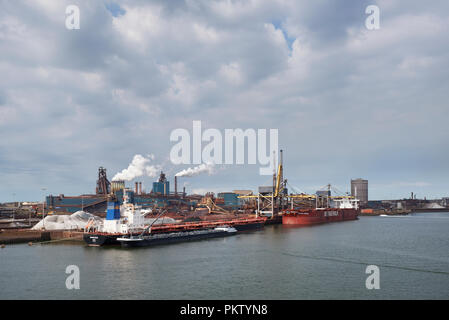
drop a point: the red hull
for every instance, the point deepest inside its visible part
(314, 216)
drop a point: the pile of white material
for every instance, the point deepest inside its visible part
(161, 220)
(77, 220)
(433, 206)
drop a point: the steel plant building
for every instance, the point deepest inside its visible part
(359, 190)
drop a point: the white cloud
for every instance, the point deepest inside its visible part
(275, 35)
(232, 73)
(140, 24)
(205, 34)
(121, 84)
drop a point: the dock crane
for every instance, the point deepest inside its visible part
(279, 199)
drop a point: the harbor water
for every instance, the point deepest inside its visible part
(320, 262)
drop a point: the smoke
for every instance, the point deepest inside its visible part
(139, 166)
(190, 172)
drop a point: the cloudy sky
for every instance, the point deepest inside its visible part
(348, 102)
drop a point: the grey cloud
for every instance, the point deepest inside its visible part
(347, 102)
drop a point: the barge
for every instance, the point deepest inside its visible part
(173, 237)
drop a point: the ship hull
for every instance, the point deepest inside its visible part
(314, 216)
(97, 239)
(249, 226)
(153, 241)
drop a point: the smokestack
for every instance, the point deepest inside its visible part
(176, 185)
(184, 192)
(140, 187)
(137, 188)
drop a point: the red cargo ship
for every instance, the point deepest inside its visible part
(347, 210)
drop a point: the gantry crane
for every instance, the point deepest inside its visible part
(279, 199)
(267, 203)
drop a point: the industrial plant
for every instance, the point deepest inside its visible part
(273, 203)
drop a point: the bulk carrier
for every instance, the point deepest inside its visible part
(343, 210)
(128, 221)
(300, 208)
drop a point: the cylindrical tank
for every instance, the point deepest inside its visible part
(117, 185)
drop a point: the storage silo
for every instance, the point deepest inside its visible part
(117, 185)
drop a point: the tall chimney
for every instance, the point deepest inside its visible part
(140, 187)
(184, 192)
(176, 185)
(137, 188)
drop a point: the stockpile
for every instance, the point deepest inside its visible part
(161, 220)
(77, 220)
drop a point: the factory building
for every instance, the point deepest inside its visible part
(77, 203)
(162, 186)
(243, 192)
(159, 196)
(359, 190)
(230, 199)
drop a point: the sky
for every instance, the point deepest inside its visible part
(348, 102)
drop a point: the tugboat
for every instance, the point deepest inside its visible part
(172, 237)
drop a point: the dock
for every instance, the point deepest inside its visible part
(14, 236)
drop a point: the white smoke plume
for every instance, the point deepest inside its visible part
(202, 168)
(139, 166)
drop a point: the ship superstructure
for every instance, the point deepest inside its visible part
(122, 219)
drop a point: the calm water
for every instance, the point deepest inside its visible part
(321, 262)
